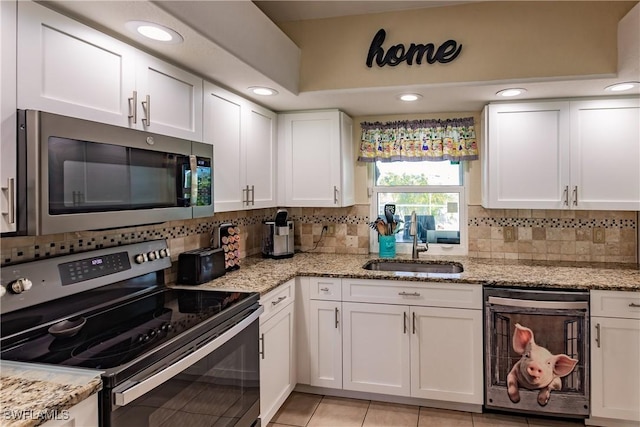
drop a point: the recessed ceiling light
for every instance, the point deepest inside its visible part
(620, 87)
(511, 92)
(154, 31)
(409, 97)
(264, 91)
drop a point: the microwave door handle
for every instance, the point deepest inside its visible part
(133, 391)
(193, 165)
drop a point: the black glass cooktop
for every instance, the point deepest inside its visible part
(114, 335)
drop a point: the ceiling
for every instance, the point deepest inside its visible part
(209, 60)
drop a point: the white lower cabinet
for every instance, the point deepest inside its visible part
(325, 343)
(277, 363)
(615, 358)
(410, 339)
(376, 348)
(84, 413)
(446, 354)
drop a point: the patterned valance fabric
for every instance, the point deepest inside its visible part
(419, 140)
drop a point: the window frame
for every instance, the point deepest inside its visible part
(461, 249)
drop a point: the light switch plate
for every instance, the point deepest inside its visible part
(509, 234)
(598, 235)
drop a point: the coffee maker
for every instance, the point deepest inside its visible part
(277, 237)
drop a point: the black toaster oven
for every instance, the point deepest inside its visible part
(200, 266)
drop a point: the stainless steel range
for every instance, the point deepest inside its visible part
(170, 356)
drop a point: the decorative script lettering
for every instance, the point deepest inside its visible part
(395, 54)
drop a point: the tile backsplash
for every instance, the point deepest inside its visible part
(554, 235)
(596, 236)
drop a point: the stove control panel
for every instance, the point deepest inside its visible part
(36, 282)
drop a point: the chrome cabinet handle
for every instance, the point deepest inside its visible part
(278, 301)
(414, 322)
(146, 105)
(262, 345)
(404, 320)
(575, 196)
(633, 304)
(253, 195)
(324, 289)
(133, 107)
(336, 317)
(335, 195)
(566, 195)
(598, 334)
(407, 294)
(244, 196)
(246, 201)
(10, 189)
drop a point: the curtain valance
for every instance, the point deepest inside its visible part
(419, 140)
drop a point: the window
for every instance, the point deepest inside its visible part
(435, 191)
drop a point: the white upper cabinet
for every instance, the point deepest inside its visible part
(243, 137)
(526, 159)
(605, 154)
(68, 68)
(562, 155)
(8, 119)
(169, 99)
(316, 157)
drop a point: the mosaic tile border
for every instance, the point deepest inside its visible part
(552, 222)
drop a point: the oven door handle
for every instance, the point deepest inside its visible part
(528, 303)
(132, 392)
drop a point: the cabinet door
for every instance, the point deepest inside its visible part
(376, 348)
(446, 354)
(169, 99)
(222, 128)
(67, 68)
(325, 336)
(615, 368)
(605, 154)
(311, 159)
(347, 190)
(527, 161)
(259, 145)
(277, 375)
(8, 117)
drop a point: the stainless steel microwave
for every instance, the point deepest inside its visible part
(76, 175)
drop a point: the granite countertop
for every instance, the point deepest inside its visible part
(31, 394)
(262, 275)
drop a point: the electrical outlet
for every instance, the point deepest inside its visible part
(509, 234)
(598, 235)
(331, 230)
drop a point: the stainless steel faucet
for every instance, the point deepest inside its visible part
(413, 231)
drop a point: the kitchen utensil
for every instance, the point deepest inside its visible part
(389, 211)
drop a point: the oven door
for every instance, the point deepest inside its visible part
(218, 384)
(537, 352)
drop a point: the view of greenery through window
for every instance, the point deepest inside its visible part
(431, 189)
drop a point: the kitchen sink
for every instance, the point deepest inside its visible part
(414, 266)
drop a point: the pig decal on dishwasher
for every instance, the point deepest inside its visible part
(538, 369)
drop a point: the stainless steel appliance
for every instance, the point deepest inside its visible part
(278, 237)
(78, 175)
(200, 266)
(169, 357)
(537, 351)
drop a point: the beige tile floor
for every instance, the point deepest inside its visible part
(310, 410)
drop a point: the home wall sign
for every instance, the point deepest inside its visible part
(396, 54)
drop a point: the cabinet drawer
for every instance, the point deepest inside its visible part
(619, 304)
(325, 288)
(277, 299)
(455, 295)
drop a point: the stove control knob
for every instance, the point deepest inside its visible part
(3, 291)
(140, 258)
(20, 285)
(152, 256)
(164, 253)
